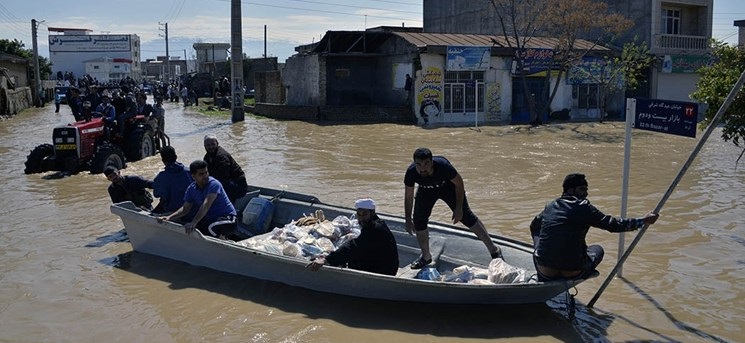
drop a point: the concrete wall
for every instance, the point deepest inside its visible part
(13, 101)
(269, 87)
(18, 72)
(458, 16)
(676, 86)
(302, 80)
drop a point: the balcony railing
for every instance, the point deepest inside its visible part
(680, 42)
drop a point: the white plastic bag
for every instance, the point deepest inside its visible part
(501, 272)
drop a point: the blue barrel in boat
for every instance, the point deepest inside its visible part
(257, 216)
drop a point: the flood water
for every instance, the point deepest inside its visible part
(68, 273)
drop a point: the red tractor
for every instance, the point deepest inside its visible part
(94, 145)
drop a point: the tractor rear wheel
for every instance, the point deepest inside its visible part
(107, 155)
(35, 162)
(139, 144)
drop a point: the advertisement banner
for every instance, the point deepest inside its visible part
(468, 58)
(89, 43)
(536, 60)
(689, 64)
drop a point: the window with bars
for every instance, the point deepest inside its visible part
(671, 21)
(463, 91)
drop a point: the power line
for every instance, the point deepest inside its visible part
(171, 10)
(183, 2)
(12, 22)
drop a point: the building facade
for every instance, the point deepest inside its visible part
(440, 79)
(107, 69)
(69, 49)
(677, 32)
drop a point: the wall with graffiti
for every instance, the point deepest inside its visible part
(429, 90)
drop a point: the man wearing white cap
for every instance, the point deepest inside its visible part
(373, 251)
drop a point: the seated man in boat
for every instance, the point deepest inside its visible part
(224, 168)
(129, 188)
(171, 183)
(373, 251)
(437, 179)
(216, 214)
(559, 233)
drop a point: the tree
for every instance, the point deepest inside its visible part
(567, 20)
(519, 25)
(16, 47)
(715, 84)
(615, 74)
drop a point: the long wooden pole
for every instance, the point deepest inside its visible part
(683, 169)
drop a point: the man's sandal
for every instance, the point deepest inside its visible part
(419, 263)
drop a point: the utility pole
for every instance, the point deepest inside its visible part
(168, 57)
(186, 63)
(236, 60)
(37, 72)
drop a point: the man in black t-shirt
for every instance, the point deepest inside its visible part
(438, 179)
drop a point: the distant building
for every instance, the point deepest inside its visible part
(155, 69)
(70, 48)
(107, 69)
(210, 55)
(740, 33)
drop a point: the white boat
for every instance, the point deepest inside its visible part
(454, 246)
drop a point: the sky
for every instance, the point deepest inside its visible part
(289, 23)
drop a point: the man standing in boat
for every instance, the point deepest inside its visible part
(559, 233)
(437, 179)
(216, 214)
(373, 251)
(224, 168)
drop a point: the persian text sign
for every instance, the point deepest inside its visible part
(666, 116)
(468, 58)
(83, 43)
(536, 60)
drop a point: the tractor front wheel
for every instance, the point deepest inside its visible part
(107, 155)
(36, 160)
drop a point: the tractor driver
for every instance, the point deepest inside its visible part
(107, 111)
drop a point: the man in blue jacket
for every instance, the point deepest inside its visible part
(171, 183)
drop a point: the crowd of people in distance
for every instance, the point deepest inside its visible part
(201, 197)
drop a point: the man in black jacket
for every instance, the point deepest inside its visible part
(373, 251)
(129, 188)
(225, 169)
(559, 233)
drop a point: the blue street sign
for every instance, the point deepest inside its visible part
(666, 116)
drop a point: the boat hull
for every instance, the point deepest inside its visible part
(460, 247)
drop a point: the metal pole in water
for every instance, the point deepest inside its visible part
(630, 106)
(683, 169)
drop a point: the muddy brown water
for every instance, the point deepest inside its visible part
(68, 273)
